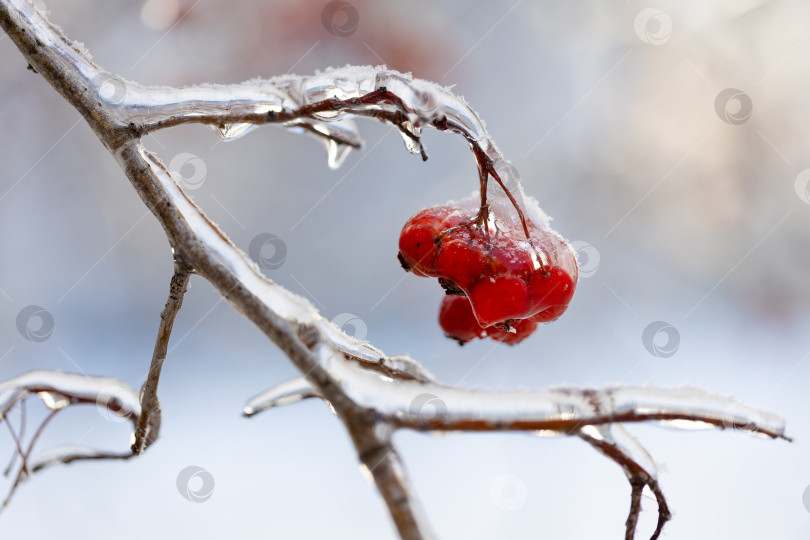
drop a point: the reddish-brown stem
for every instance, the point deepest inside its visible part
(18, 446)
(637, 487)
(24, 467)
(382, 96)
(638, 478)
(570, 426)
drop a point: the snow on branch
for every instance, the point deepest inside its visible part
(372, 393)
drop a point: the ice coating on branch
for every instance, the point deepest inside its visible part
(58, 390)
(544, 241)
(423, 103)
(420, 103)
(67, 454)
(284, 393)
(284, 303)
(406, 401)
(229, 132)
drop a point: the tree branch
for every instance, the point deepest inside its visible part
(59, 391)
(149, 399)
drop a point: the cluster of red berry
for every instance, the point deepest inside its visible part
(500, 285)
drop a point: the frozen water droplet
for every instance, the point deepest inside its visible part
(229, 132)
(413, 146)
(291, 391)
(330, 115)
(53, 401)
(336, 153)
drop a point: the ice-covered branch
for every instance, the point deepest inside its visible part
(59, 391)
(596, 416)
(373, 394)
(285, 393)
(556, 411)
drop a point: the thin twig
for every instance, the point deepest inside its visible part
(17, 444)
(23, 472)
(636, 475)
(149, 399)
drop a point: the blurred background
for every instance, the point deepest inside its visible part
(667, 139)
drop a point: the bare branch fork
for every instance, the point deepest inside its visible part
(58, 391)
(373, 394)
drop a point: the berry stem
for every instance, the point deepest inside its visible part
(486, 169)
(397, 117)
(482, 217)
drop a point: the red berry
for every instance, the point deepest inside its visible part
(523, 328)
(460, 263)
(512, 259)
(551, 289)
(550, 314)
(454, 218)
(458, 321)
(498, 299)
(417, 241)
(491, 263)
